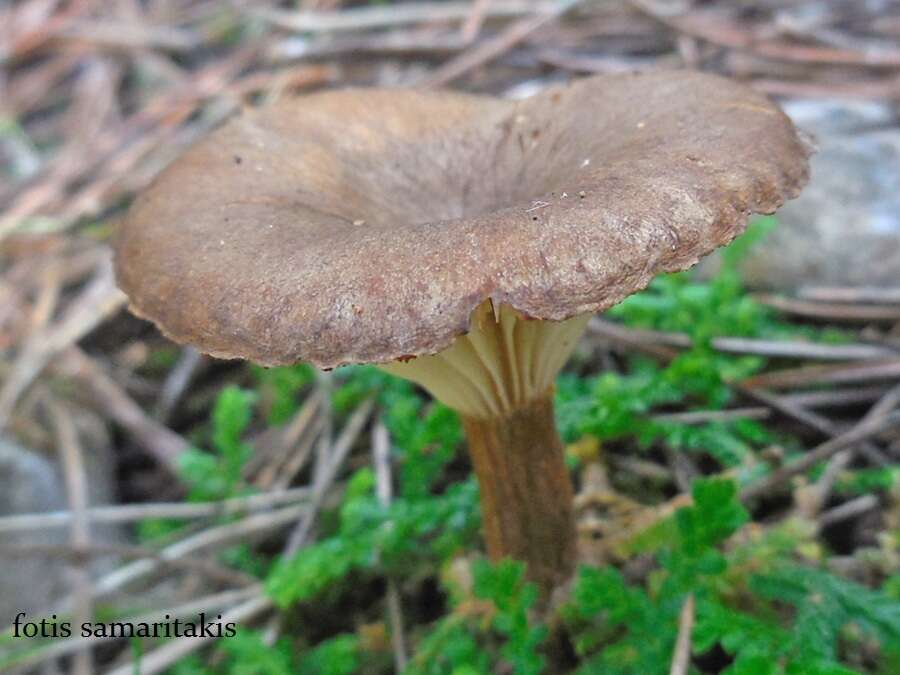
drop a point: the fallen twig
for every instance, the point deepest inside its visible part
(325, 478)
(821, 424)
(364, 18)
(209, 603)
(207, 569)
(77, 493)
(98, 301)
(836, 397)
(681, 658)
(161, 442)
(847, 510)
(177, 381)
(707, 416)
(129, 513)
(829, 294)
(239, 530)
(495, 46)
(794, 349)
(832, 311)
(162, 657)
(866, 371)
(381, 457)
(860, 432)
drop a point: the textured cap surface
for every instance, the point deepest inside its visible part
(366, 225)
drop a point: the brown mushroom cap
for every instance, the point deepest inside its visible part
(367, 225)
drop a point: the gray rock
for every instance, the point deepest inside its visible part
(844, 229)
(836, 117)
(29, 483)
(32, 482)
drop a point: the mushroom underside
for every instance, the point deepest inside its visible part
(505, 361)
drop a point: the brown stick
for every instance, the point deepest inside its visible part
(681, 659)
(526, 493)
(861, 432)
(837, 311)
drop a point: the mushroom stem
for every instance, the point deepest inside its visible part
(499, 378)
(526, 492)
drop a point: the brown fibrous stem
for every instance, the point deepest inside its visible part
(526, 492)
(499, 377)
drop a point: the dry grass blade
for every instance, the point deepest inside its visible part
(837, 374)
(366, 18)
(129, 513)
(832, 311)
(801, 350)
(84, 127)
(849, 396)
(324, 388)
(299, 456)
(70, 452)
(381, 458)
(130, 35)
(477, 14)
(492, 48)
(213, 538)
(161, 442)
(715, 28)
(277, 447)
(885, 404)
(393, 42)
(861, 432)
(324, 479)
(813, 420)
(848, 510)
(867, 294)
(681, 659)
(210, 603)
(99, 300)
(178, 554)
(176, 382)
(657, 343)
(866, 89)
(707, 416)
(47, 300)
(207, 569)
(163, 657)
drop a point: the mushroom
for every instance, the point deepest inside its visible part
(458, 241)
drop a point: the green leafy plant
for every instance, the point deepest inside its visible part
(768, 612)
(279, 389)
(491, 631)
(217, 474)
(612, 406)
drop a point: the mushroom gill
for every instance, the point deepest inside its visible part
(503, 362)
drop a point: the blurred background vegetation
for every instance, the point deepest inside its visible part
(733, 433)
